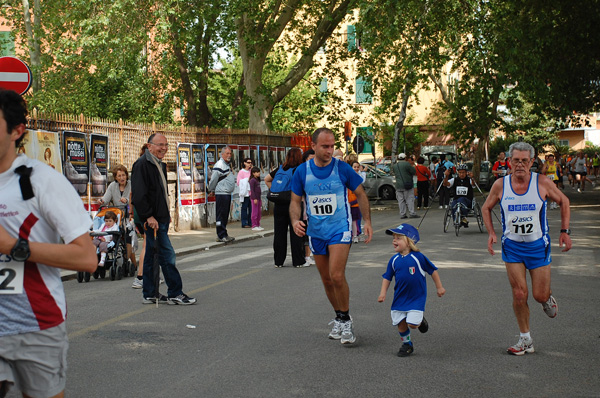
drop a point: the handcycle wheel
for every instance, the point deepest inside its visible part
(479, 217)
(447, 219)
(457, 221)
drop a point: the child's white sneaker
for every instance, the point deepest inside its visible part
(258, 229)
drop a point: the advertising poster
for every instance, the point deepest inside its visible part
(243, 153)
(48, 151)
(98, 167)
(184, 174)
(234, 163)
(264, 160)
(254, 155)
(280, 155)
(273, 158)
(76, 161)
(199, 194)
(211, 158)
(28, 145)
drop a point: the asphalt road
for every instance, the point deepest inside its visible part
(262, 332)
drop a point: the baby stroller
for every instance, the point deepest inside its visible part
(116, 263)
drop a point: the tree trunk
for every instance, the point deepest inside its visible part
(259, 113)
(33, 43)
(400, 123)
(205, 118)
(237, 100)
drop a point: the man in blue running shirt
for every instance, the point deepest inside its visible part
(525, 238)
(324, 182)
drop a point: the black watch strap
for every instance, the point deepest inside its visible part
(566, 231)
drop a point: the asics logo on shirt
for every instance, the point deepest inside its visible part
(321, 200)
(522, 219)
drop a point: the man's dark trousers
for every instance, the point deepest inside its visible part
(222, 206)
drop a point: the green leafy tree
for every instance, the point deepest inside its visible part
(298, 111)
(397, 53)
(191, 32)
(301, 27)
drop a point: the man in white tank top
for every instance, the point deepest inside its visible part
(525, 240)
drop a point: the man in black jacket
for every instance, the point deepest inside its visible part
(151, 199)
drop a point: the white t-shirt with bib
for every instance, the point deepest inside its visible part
(31, 295)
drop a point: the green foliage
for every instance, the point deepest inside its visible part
(300, 110)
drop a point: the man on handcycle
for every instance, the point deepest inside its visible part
(462, 186)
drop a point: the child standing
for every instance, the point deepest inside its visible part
(255, 198)
(101, 242)
(408, 267)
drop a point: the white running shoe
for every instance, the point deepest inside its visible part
(348, 336)
(550, 307)
(525, 345)
(336, 330)
(309, 260)
(137, 283)
(258, 229)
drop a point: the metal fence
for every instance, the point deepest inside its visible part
(126, 138)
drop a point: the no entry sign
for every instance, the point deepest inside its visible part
(14, 75)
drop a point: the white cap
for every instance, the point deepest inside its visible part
(402, 156)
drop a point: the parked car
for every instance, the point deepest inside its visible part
(486, 178)
(384, 164)
(379, 184)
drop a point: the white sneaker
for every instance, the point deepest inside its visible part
(550, 307)
(446, 206)
(441, 207)
(336, 330)
(137, 283)
(348, 336)
(258, 229)
(355, 239)
(523, 346)
(309, 260)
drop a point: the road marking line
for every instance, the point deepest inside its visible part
(146, 308)
(225, 261)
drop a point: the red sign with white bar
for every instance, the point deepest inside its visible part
(14, 75)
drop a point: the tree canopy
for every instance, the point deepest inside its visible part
(142, 60)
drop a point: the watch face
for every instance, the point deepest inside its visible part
(21, 250)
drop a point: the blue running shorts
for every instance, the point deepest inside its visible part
(533, 254)
(319, 246)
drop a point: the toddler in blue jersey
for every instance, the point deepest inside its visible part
(408, 266)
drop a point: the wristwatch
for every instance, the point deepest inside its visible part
(566, 231)
(20, 251)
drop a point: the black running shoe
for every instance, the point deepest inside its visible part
(424, 326)
(405, 350)
(162, 299)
